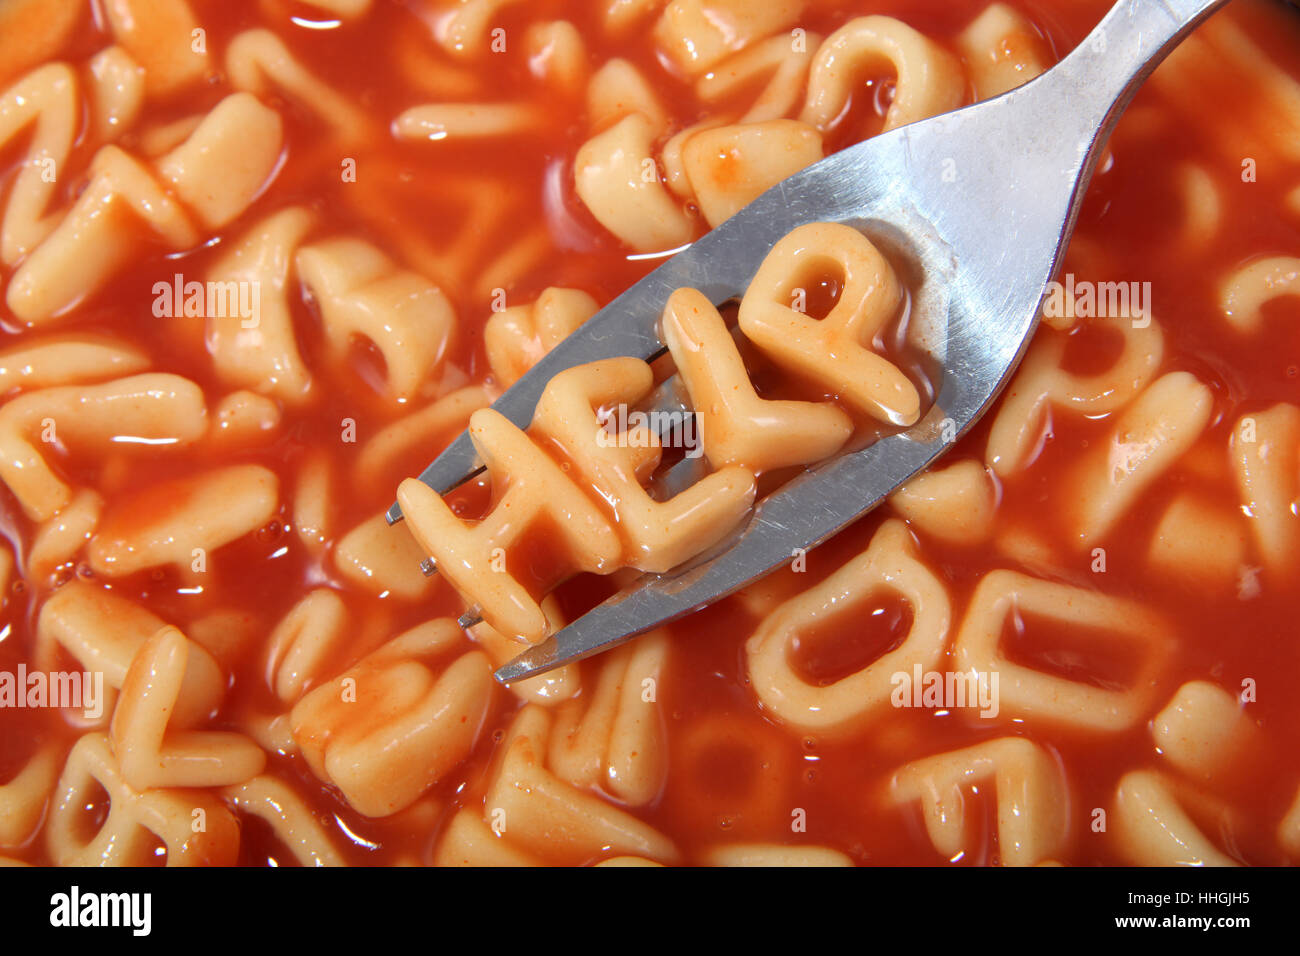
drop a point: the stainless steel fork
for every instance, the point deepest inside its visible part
(982, 201)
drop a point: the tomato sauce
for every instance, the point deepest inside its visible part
(734, 774)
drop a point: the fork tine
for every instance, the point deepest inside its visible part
(669, 396)
(719, 265)
(624, 327)
(679, 477)
(799, 515)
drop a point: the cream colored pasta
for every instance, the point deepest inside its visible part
(737, 427)
(25, 796)
(618, 180)
(1147, 438)
(1028, 786)
(136, 820)
(61, 538)
(151, 409)
(243, 419)
(539, 813)
(1202, 730)
(214, 508)
(117, 90)
(730, 166)
(1199, 543)
(160, 138)
(150, 754)
(1042, 385)
(1245, 291)
(472, 556)
(672, 158)
(870, 298)
(928, 79)
(1002, 51)
(62, 360)
(955, 503)
(890, 565)
(439, 121)
(392, 725)
(696, 34)
(464, 30)
(468, 841)
(159, 35)
(769, 854)
(619, 89)
(382, 559)
(99, 629)
(1031, 550)
(549, 689)
(615, 739)
(227, 633)
(45, 101)
(778, 63)
(557, 54)
(1029, 693)
(431, 427)
(1265, 455)
(103, 632)
(1151, 824)
(291, 820)
(516, 338)
(258, 61)
(657, 535)
(363, 293)
(304, 644)
(620, 16)
(259, 350)
(313, 502)
(88, 245)
(237, 146)
(376, 223)
(272, 732)
(768, 593)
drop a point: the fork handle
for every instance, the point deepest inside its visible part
(1100, 76)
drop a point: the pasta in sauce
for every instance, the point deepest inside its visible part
(260, 262)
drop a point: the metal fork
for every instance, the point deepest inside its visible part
(982, 201)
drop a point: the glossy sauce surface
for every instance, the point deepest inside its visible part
(734, 775)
